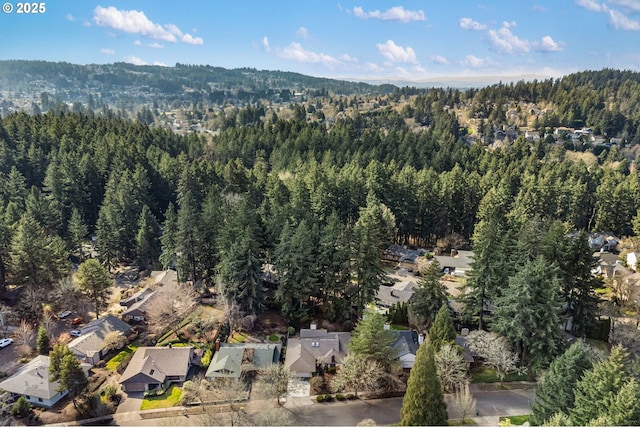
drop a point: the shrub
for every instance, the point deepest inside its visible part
(316, 383)
(274, 338)
(340, 397)
(21, 408)
(206, 358)
(332, 370)
(320, 398)
(350, 396)
(291, 330)
(328, 398)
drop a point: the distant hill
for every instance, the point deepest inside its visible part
(118, 82)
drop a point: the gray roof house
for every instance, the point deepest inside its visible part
(399, 292)
(136, 311)
(406, 346)
(151, 367)
(315, 347)
(138, 296)
(231, 360)
(32, 382)
(89, 347)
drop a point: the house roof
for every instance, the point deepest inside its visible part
(389, 295)
(92, 335)
(228, 361)
(460, 261)
(157, 363)
(138, 296)
(406, 343)
(32, 380)
(315, 345)
(139, 307)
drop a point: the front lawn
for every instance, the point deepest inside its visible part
(167, 400)
(484, 374)
(516, 420)
(118, 358)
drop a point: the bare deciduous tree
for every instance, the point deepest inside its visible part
(114, 340)
(170, 304)
(357, 373)
(464, 402)
(274, 380)
(48, 322)
(451, 367)
(25, 334)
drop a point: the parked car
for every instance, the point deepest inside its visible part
(76, 320)
(75, 333)
(5, 342)
(64, 314)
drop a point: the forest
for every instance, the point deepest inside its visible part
(321, 203)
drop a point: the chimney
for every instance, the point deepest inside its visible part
(387, 327)
(312, 326)
(420, 338)
(218, 344)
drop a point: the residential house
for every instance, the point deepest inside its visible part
(458, 264)
(232, 360)
(532, 135)
(387, 296)
(314, 349)
(468, 355)
(33, 382)
(137, 311)
(609, 265)
(151, 368)
(406, 346)
(604, 242)
(90, 346)
(137, 297)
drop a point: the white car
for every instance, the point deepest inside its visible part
(5, 342)
(64, 314)
(75, 333)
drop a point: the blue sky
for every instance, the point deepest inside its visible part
(365, 39)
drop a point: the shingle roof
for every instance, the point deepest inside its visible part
(406, 343)
(227, 362)
(92, 335)
(315, 345)
(32, 380)
(163, 361)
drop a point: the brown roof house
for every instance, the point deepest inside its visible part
(90, 346)
(315, 348)
(151, 368)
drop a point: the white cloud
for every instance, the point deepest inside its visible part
(69, 17)
(592, 5)
(136, 22)
(189, 39)
(503, 40)
(438, 59)
(137, 43)
(475, 62)
(265, 44)
(631, 5)
(86, 24)
(620, 21)
(296, 52)
(346, 58)
(539, 8)
(106, 51)
(132, 59)
(396, 13)
(156, 45)
(395, 53)
(509, 24)
(547, 44)
(470, 24)
(302, 33)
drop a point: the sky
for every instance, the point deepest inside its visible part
(358, 40)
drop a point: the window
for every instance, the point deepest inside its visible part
(39, 399)
(152, 371)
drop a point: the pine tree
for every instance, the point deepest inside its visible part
(78, 231)
(169, 238)
(428, 297)
(187, 238)
(442, 330)
(66, 370)
(42, 341)
(555, 392)
(334, 262)
(147, 248)
(596, 391)
(94, 282)
(371, 340)
(423, 403)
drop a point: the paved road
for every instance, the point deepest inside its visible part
(490, 404)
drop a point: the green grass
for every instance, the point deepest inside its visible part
(602, 291)
(118, 358)
(485, 374)
(516, 420)
(274, 338)
(167, 400)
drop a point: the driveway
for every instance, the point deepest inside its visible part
(131, 403)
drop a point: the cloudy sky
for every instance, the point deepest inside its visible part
(367, 39)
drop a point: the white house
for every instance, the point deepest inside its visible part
(32, 382)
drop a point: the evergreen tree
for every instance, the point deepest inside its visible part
(371, 340)
(423, 403)
(528, 313)
(147, 248)
(78, 231)
(209, 231)
(66, 370)
(625, 409)
(187, 238)
(335, 273)
(42, 341)
(442, 330)
(555, 392)
(596, 391)
(169, 238)
(94, 281)
(428, 297)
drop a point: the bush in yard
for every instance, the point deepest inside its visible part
(206, 358)
(21, 408)
(340, 397)
(320, 398)
(350, 396)
(316, 383)
(328, 398)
